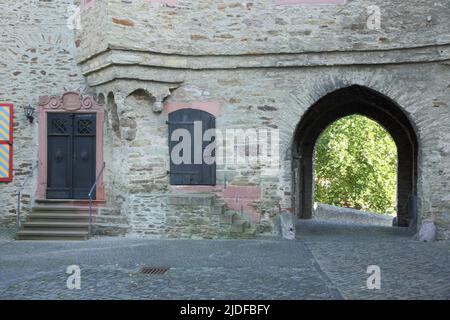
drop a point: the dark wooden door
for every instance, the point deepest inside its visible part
(71, 155)
(194, 172)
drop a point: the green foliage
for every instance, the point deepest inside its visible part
(356, 166)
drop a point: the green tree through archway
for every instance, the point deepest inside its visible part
(355, 166)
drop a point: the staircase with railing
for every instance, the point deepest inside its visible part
(65, 219)
(90, 195)
(19, 195)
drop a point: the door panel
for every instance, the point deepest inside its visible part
(83, 155)
(71, 155)
(59, 144)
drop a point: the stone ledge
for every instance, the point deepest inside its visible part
(124, 61)
(110, 229)
(437, 52)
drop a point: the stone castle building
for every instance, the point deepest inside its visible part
(112, 80)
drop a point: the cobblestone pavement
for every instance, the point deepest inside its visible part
(409, 269)
(7, 234)
(327, 261)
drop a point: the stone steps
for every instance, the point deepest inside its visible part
(71, 202)
(59, 220)
(69, 219)
(55, 225)
(63, 209)
(51, 234)
(213, 216)
(238, 224)
(57, 216)
(59, 225)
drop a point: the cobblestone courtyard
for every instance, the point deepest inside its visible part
(327, 261)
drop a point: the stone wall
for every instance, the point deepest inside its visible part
(38, 58)
(229, 27)
(255, 64)
(264, 65)
(278, 98)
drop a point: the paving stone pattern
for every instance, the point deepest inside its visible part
(327, 261)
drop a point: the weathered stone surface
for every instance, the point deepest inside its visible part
(258, 63)
(326, 263)
(427, 232)
(221, 28)
(191, 199)
(38, 59)
(284, 226)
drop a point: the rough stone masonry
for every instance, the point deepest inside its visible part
(252, 64)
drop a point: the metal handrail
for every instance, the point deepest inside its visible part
(19, 193)
(90, 197)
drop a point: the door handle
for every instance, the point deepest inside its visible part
(84, 156)
(58, 156)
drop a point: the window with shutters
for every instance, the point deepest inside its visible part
(190, 141)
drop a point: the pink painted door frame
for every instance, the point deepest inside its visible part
(69, 102)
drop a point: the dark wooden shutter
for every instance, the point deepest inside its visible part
(191, 174)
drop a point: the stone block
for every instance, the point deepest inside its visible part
(284, 226)
(191, 199)
(427, 232)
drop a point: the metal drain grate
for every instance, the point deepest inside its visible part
(154, 271)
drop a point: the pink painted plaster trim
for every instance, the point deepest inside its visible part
(210, 107)
(69, 102)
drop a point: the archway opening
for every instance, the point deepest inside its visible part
(356, 100)
(355, 166)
